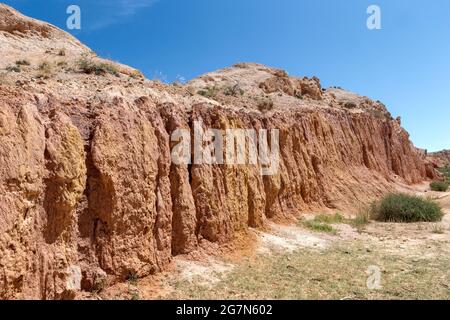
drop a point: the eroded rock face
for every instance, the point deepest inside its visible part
(115, 202)
(89, 194)
(42, 178)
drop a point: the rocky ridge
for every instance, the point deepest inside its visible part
(439, 159)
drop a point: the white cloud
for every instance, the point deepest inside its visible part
(108, 12)
(98, 14)
(130, 7)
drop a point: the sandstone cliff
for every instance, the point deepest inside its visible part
(89, 194)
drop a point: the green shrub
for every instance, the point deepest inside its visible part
(325, 218)
(13, 69)
(89, 66)
(23, 62)
(233, 91)
(362, 218)
(440, 186)
(45, 66)
(45, 70)
(62, 64)
(350, 105)
(110, 68)
(209, 92)
(399, 207)
(132, 277)
(318, 226)
(265, 105)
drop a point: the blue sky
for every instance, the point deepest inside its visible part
(406, 64)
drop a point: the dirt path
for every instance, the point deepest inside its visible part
(411, 261)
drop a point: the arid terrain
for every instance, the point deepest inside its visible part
(289, 261)
(92, 205)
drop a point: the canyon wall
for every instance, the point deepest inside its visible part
(89, 195)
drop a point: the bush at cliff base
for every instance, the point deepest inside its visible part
(440, 186)
(399, 207)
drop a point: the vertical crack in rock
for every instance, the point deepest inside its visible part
(183, 237)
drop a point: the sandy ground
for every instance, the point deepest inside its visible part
(414, 260)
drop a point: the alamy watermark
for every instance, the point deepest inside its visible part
(374, 19)
(259, 148)
(74, 20)
(374, 280)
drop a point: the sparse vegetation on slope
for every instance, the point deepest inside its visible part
(13, 68)
(265, 105)
(399, 207)
(23, 62)
(45, 70)
(89, 66)
(209, 92)
(440, 186)
(233, 90)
